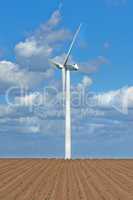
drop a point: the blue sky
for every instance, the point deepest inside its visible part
(34, 31)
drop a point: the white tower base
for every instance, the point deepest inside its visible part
(68, 118)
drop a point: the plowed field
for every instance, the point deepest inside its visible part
(44, 179)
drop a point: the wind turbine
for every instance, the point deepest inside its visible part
(66, 68)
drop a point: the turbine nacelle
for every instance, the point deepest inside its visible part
(73, 67)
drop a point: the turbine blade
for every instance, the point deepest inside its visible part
(55, 64)
(71, 46)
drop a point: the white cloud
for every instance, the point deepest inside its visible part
(44, 43)
(85, 82)
(91, 120)
(129, 96)
(30, 124)
(121, 99)
(12, 74)
(5, 110)
(35, 98)
(30, 48)
(32, 66)
(12, 121)
(53, 21)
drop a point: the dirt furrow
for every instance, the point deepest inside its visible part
(123, 181)
(57, 182)
(12, 166)
(94, 189)
(53, 179)
(61, 191)
(19, 181)
(7, 178)
(108, 182)
(82, 193)
(49, 182)
(73, 184)
(35, 185)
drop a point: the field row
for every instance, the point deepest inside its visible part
(44, 179)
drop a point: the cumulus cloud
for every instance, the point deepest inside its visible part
(47, 42)
(96, 119)
(10, 73)
(30, 48)
(53, 21)
(28, 100)
(31, 66)
(121, 99)
(35, 51)
(5, 111)
(19, 125)
(86, 82)
(13, 77)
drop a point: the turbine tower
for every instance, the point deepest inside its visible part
(66, 68)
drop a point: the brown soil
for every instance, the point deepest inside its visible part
(45, 179)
